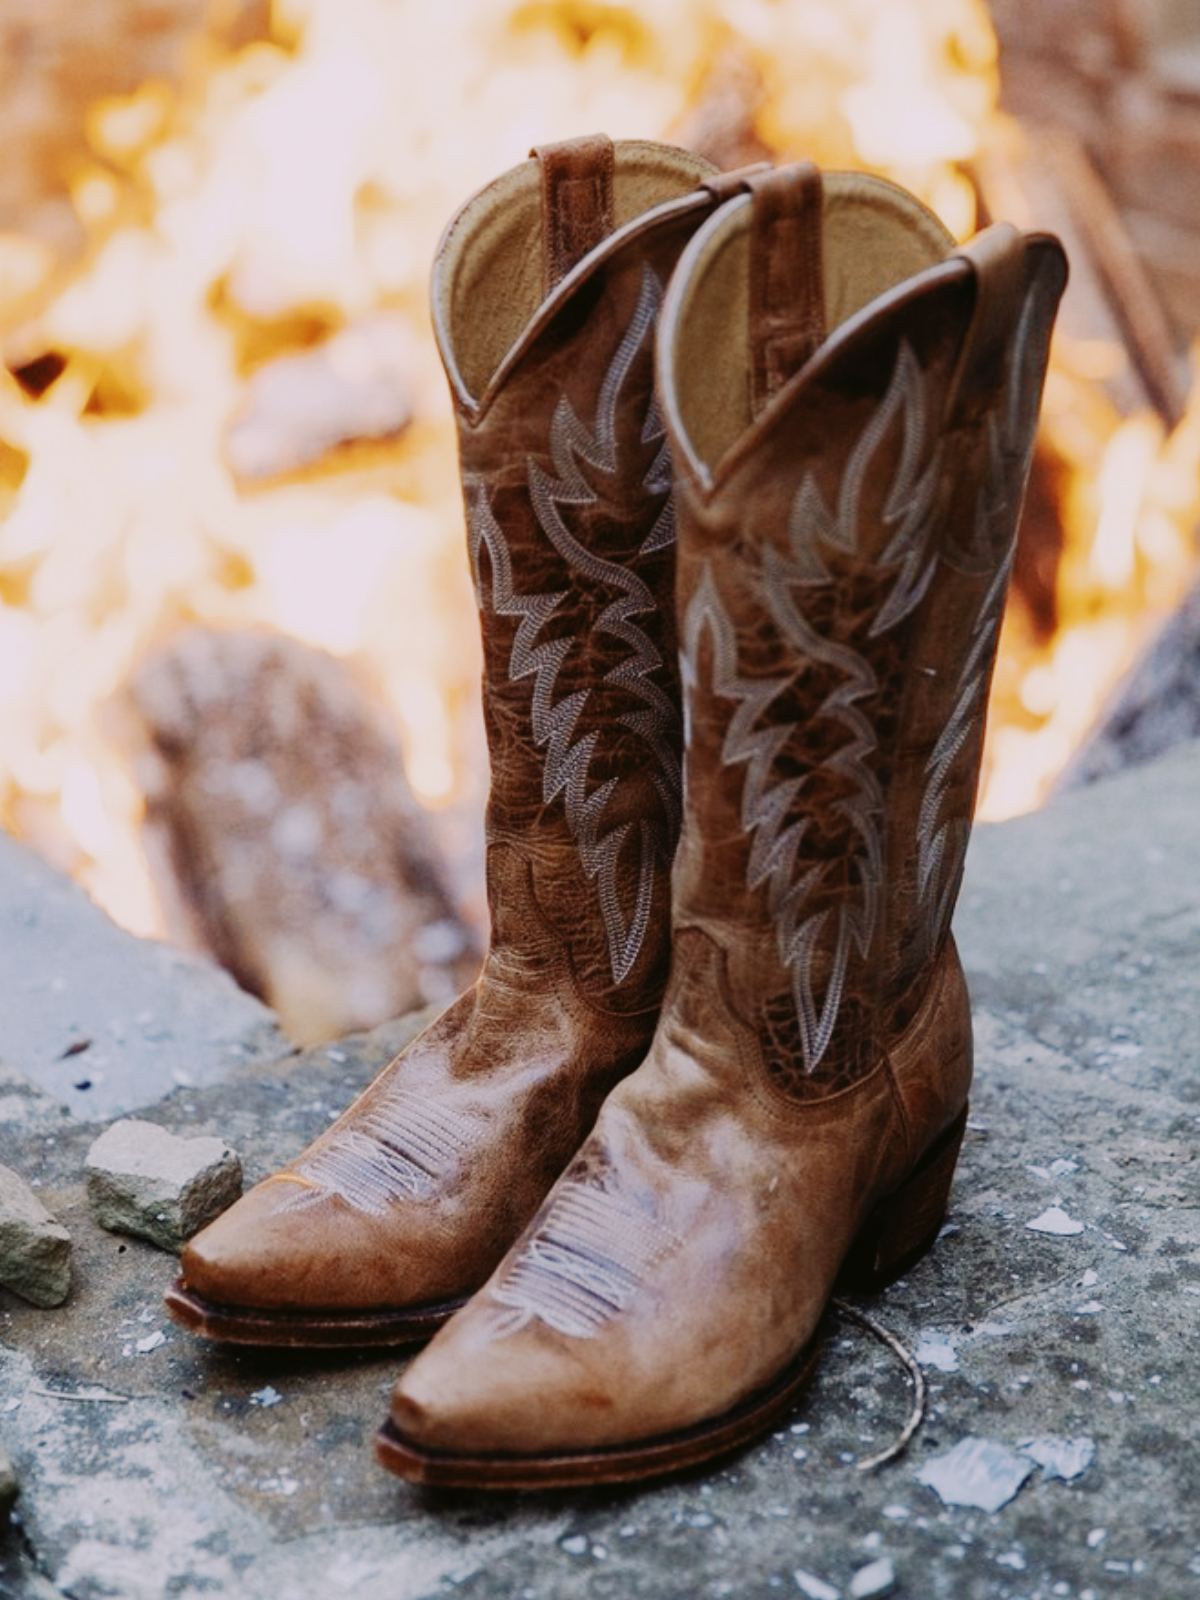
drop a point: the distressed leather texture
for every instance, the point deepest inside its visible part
(413, 1196)
(841, 573)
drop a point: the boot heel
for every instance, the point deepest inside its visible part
(901, 1228)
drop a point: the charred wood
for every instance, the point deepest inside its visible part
(1156, 706)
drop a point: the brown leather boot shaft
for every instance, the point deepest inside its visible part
(850, 404)
(571, 532)
(842, 573)
(546, 294)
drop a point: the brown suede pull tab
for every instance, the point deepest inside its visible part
(997, 256)
(787, 292)
(726, 185)
(577, 201)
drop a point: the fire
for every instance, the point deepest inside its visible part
(1130, 503)
(285, 191)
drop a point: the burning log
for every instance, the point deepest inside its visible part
(722, 124)
(349, 391)
(1155, 707)
(283, 835)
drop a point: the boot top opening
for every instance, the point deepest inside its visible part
(488, 278)
(873, 236)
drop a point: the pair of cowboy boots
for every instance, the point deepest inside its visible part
(776, 428)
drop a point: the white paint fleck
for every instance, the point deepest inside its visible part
(1096, 1538)
(1058, 1457)
(282, 1483)
(1055, 1220)
(812, 1586)
(934, 1349)
(1013, 1559)
(976, 1472)
(1090, 1279)
(1060, 1168)
(576, 1545)
(896, 1513)
(876, 1579)
(1089, 1308)
(152, 1341)
(266, 1397)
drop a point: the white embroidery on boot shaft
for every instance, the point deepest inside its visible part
(567, 759)
(942, 840)
(584, 1264)
(402, 1147)
(766, 805)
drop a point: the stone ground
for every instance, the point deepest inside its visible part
(152, 1465)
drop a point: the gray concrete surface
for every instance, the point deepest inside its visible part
(104, 1022)
(152, 1465)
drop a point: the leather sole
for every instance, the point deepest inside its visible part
(895, 1235)
(309, 1330)
(669, 1452)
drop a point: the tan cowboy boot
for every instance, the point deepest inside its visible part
(546, 293)
(850, 447)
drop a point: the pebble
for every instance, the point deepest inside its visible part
(35, 1250)
(147, 1182)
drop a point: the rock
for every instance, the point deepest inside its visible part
(10, 1488)
(35, 1250)
(150, 1183)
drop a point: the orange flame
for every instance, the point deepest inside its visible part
(284, 191)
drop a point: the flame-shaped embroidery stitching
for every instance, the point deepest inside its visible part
(941, 840)
(567, 758)
(775, 843)
(584, 1264)
(402, 1146)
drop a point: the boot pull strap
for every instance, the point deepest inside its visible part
(787, 291)
(577, 201)
(727, 185)
(997, 256)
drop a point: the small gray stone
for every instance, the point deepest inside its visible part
(10, 1488)
(148, 1182)
(35, 1250)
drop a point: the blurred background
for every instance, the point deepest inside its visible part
(238, 647)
